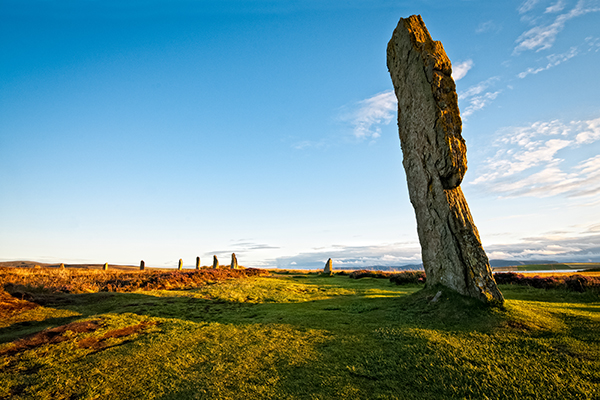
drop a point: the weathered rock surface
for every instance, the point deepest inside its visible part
(215, 262)
(435, 161)
(328, 267)
(234, 263)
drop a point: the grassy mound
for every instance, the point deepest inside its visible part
(302, 336)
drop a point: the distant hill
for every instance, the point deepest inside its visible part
(32, 264)
(493, 264)
(510, 263)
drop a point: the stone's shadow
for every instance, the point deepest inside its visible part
(400, 324)
(414, 310)
(20, 329)
(343, 309)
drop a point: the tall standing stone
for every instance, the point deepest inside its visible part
(62, 265)
(180, 265)
(142, 265)
(234, 263)
(215, 262)
(197, 262)
(105, 267)
(435, 161)
(328, 269)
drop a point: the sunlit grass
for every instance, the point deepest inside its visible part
(307, 336)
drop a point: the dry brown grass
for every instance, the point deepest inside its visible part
(64, 333)
(9, 305)
(49, 336)
(100, 343)
(24, 283)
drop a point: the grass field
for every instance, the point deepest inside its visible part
(300, 336)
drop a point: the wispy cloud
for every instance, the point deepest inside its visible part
(311, 144)
(589, 131)
(553, 61)
(478, 96)
(556, 7)
(241, 247)
(488, 26)
(460, 70)
(357, 257)
(367, 116)
(593, 43)
(543, 36)
(527, 5)
(582, 246)
(527, 161)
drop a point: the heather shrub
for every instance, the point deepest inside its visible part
(575, 283)
(407, 277)
(51, 280)
(363, 273)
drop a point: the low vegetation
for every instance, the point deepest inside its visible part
(290, 336)
(576, 282)
(26, 281)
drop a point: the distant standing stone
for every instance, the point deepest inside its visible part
(62, 265)
(328, 267)
(197, 262)
(142, 265)
(180, 264)
(105, 267)
(234, 264)
(215, 262)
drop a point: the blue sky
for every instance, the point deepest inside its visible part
(161, 130)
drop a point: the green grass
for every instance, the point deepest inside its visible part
(309, 337)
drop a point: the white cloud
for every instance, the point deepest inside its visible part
(368, 115)
(460, 70)
(553, 61)
(356, 257)
(590, 132)
(556, 7)
(488, 26)
(527, 162)
(477, 89)
(527, 5)
(478, 102)
(477, 97)
(241, 247)
(593, 43)
(583, 246)
(542, 37)
(311, 144)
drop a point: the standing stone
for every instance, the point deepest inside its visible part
(215, 262)
(435, 161)
(180, 265)
(197, 262)
(328, 270)
(62, 265)
(105, 267)
(234, 264)
(142, 265)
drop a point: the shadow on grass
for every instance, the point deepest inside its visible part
(397, 345)
(364, 312)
